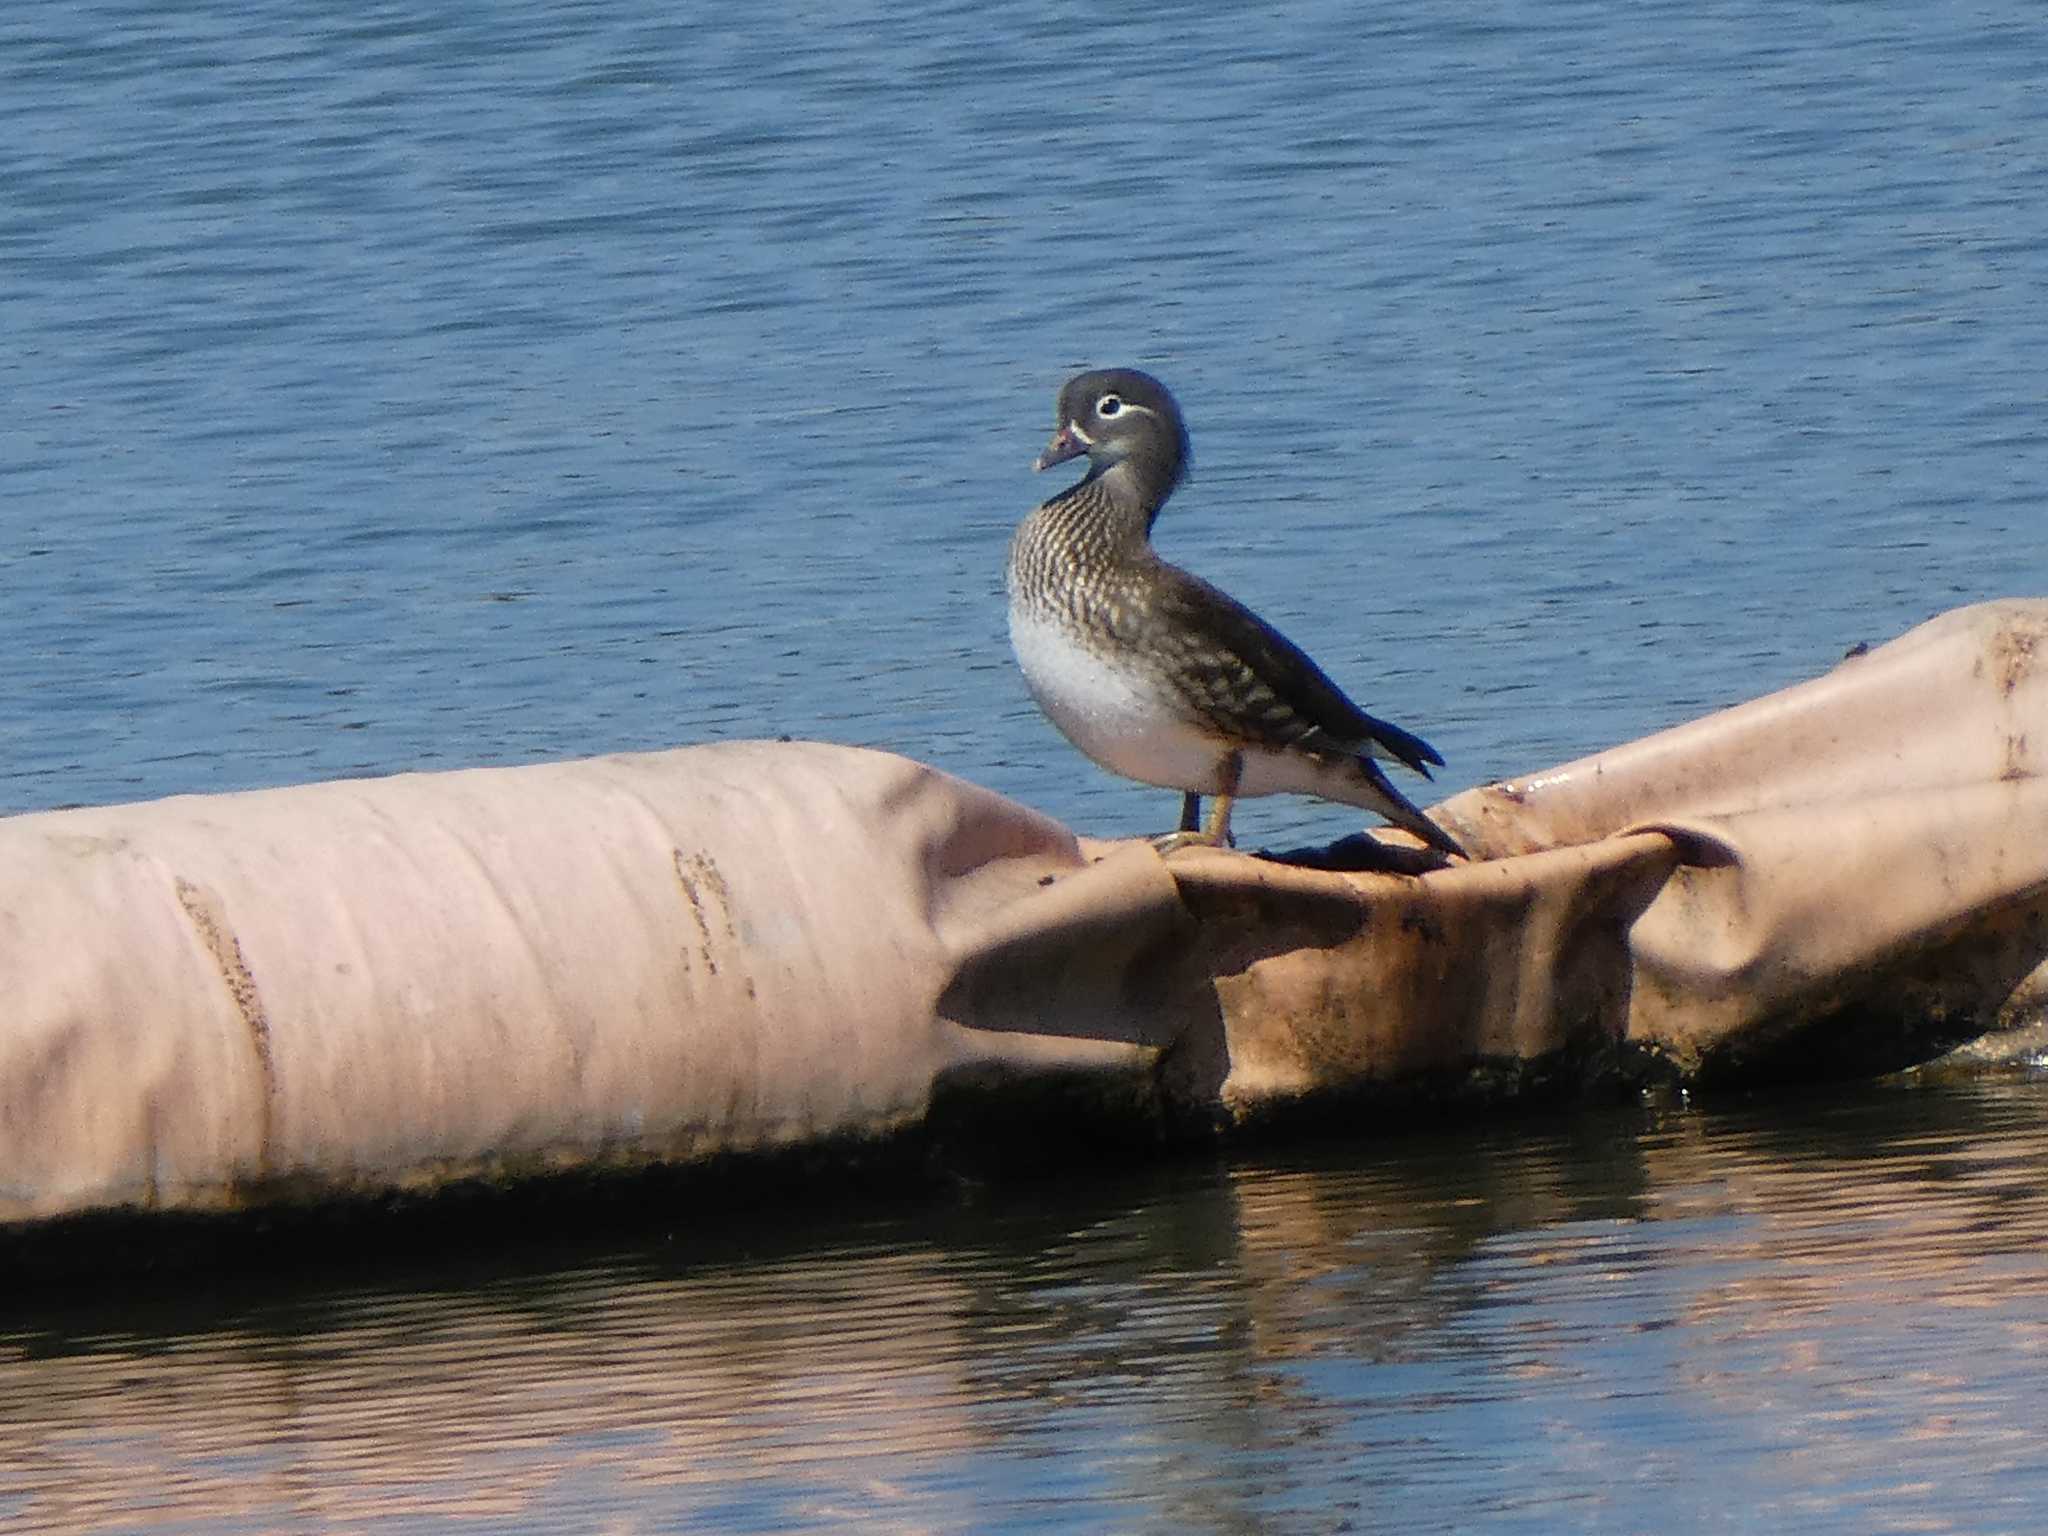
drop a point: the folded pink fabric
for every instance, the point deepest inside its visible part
(218, 1002)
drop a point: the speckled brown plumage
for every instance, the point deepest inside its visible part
(1111, 636)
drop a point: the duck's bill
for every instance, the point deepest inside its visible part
(1066, 444)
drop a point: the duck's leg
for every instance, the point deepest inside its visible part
(1215, 833)
(1190, 812)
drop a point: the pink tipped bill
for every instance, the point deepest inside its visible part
(1067, 443)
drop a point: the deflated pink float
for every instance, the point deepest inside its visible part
(222, 1002)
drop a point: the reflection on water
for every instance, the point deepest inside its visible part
(1831, 1315)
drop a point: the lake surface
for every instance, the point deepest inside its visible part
(1824, 1314)
(396, 386)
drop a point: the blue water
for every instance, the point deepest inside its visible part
(392, 386)
(413, 386)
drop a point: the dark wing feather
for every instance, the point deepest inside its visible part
(1249, 679)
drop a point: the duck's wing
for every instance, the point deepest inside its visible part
(1250, 681)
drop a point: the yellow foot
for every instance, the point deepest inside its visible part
(1215, 831)
(1173, 842)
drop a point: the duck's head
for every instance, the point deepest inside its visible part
(1120, 416)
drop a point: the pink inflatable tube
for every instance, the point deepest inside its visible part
(226, 1001)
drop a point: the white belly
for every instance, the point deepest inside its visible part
(1114, 714)
(1120, 719)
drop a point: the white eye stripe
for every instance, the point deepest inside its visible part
(1123, 408)
(1113, 406)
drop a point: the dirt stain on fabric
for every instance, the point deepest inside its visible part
(704, 887)
(210, 920)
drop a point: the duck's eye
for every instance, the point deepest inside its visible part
(1108, 406)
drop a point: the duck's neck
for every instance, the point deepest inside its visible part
(1121, 500)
